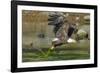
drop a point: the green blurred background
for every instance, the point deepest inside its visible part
(37, 36)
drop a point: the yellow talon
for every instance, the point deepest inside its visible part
(52, 48)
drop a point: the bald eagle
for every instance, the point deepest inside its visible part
(63, 30)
